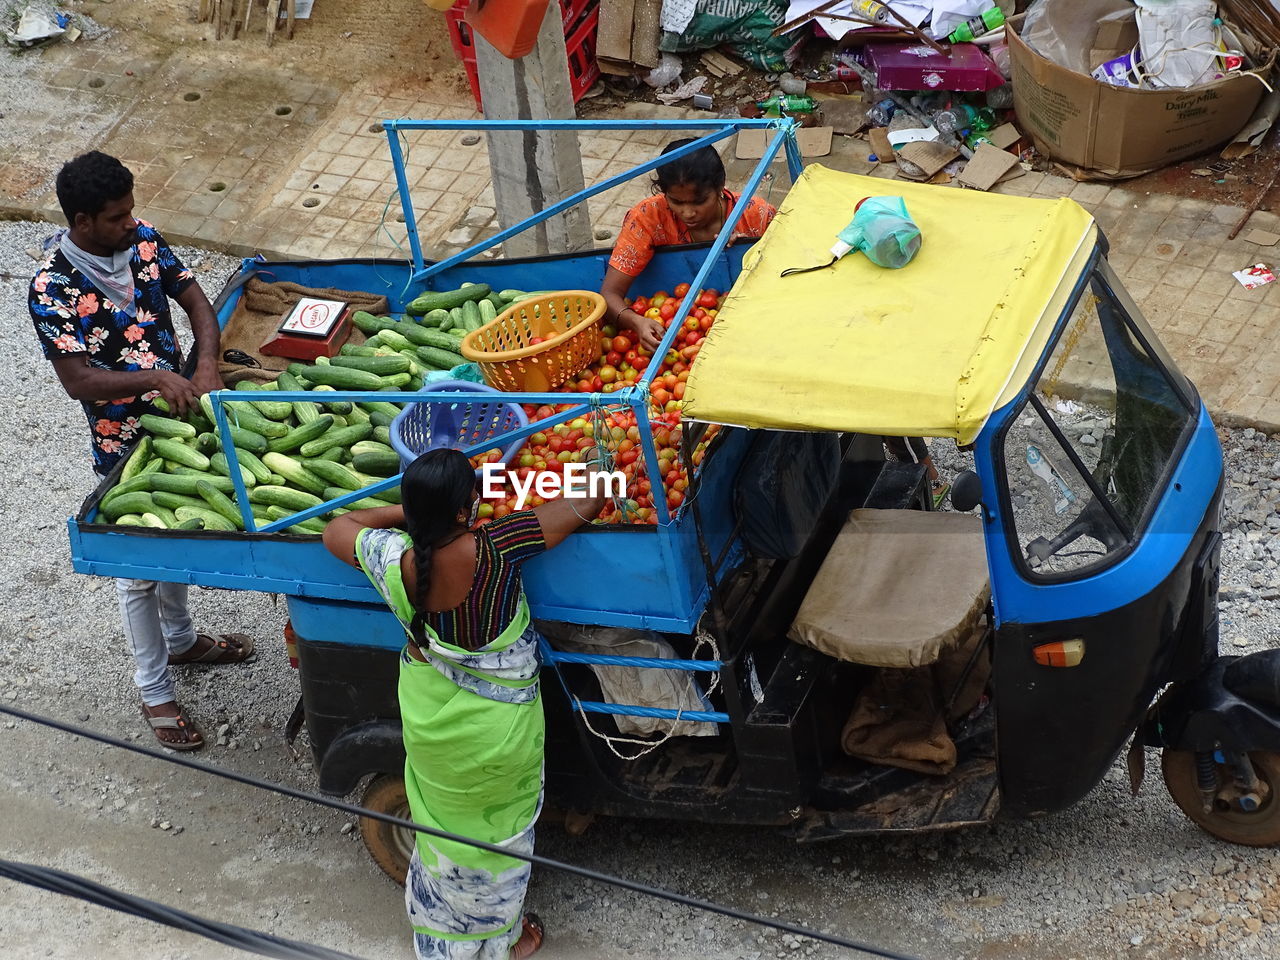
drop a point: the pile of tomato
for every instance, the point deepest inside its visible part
(622, 362)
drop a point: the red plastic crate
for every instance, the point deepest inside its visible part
(581, 20)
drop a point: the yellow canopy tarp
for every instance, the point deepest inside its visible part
(928, 350)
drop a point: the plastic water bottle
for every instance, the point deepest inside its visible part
(1001, 98)
(786, 104)
(983, 23)
(964, 117)
(880, 114)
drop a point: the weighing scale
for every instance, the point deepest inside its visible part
(313, 328)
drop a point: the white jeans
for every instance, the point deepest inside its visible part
(156, 624)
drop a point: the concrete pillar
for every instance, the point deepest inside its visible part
(533, 169)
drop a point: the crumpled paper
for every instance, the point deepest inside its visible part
(684, 91)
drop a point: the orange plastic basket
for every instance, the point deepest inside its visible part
(569, 322)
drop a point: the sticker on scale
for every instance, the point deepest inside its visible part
(313, 317)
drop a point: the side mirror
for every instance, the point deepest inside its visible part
(966, 491)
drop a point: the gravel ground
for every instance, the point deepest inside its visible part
(1112, 876)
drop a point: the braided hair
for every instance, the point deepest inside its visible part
(436, 487)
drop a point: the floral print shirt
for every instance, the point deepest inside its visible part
(72, 316)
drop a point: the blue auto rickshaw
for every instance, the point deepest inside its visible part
(878, 665)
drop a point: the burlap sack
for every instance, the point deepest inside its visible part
(258, 314)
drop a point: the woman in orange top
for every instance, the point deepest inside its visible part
(690, 205)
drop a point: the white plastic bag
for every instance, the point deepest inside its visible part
(1178, 43)
(637, 686)
(666, 72)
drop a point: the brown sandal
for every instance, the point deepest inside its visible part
(532, 933)
(179, 723)
(226, 648)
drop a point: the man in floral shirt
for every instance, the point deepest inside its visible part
(100, 305)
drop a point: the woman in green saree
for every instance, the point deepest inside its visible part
(470, 704)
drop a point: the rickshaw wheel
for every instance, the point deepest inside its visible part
(391, 847)
(1261, 828)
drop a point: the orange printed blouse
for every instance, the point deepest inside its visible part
(650, 223)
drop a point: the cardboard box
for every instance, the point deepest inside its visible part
(1099, 132)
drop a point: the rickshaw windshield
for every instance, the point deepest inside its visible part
(1088, 454)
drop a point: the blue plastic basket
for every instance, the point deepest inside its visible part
(428, 426)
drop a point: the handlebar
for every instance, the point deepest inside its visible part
(1093, 521)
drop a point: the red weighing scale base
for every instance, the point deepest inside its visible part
(300, 347)
(313, 328)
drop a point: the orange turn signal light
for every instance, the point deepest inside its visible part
(1061, 653)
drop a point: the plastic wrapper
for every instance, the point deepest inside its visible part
(665, 73)
(784, 482)
(884, 231)
(1062, 31)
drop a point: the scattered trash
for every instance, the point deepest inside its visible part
(881, 113)
(683, 92)
(922, 159)
(1263, 238)
(812, 141)
(988, 166)
(904, 66)
(1258, 275)
(879, 138)
(1249, 139)
(37, 26)
(665, 73)
(784, 104)
(794, 86)
(703, 101)
(1067, 406)
(1098, 131)
(746, 28)
(718, 65)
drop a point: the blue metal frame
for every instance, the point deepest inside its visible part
(636, 396)
(669, 591)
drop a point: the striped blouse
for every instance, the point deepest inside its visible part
(501, 546)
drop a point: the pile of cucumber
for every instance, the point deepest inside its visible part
(434, 324)
(292, 455)
(297, 455)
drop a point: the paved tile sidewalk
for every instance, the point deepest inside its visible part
(273, 160)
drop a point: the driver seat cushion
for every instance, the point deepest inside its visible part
(897, 589)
